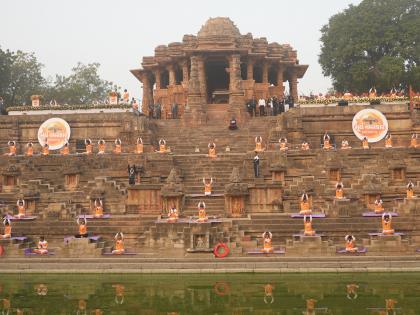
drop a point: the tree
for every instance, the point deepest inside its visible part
(82, 86)
(376, 43)
(20, 77)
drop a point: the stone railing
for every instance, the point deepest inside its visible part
(68, 109)
(354, 100)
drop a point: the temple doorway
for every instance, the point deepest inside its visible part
(217, 81)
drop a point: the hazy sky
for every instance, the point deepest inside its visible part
(117, 34)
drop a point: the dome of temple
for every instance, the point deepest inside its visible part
(220, 26)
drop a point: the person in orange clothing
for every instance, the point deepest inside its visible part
(305, 205)
(99, 209)
(352, 291)
(388, 140)
(42, 248)
(162, 146)
(12, 148)
(379, 205)
(305, 145)
(126, 97)
(119, 244)
(118, 146)
(350, 244)
(173, 215)
(139, 146)
(45, 149)
(258, 144)
(345, 145)
(339, 190)
(119, 293)
(267, 239)
(7, 228)
(307, 224)
(365, 143)
(413, 140)
(21, 208)
(268, 294)
(88, 146)
(327, 141)
(202, 216)
(81, 307)
(310, 307)
(41, 289)
(29, 149)
(390, 306)
(283, 144)
(207, 186)
(410, 190)
(212, 150)
(82, 228)
(101, 146)
(65, 149)
(386, 224)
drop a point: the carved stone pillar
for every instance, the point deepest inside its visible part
(202, 77)
(265, 72)
(250, 70)
(157, 77)
(171, 70)
(236, 91)
(194, 113)
(185, 71)
(280, 79)
(147, 92)
(293, 83)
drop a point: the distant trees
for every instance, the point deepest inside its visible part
(376, 43)
(21, 77)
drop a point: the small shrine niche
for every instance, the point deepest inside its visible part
(172, 192)
(235, 194)
(277, 176)
(10, 178)
(30, 206)
(200, 242)
(370, 200)
(398, 174)
(71, 181)
(334, 174)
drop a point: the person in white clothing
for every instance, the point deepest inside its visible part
(261, 105)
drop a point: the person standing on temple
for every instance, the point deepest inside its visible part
(269, 106)
(281, 105)
(275, 106)
(150, 108)
(174, 110)
(256, 162)
(249, 108)
(261, 106)
(158, 109)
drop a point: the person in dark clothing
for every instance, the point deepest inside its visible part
(232, 124)
(150, 109)
(249, 108)
(132, 174)
(174, 110)
(275, 106)
(256, 162)
(158, 110)
(281, 105)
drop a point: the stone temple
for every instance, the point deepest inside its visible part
(217, 70)
(213, 73)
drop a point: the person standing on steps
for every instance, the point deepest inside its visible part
(174, 110)
(256, 163)
(261, 106)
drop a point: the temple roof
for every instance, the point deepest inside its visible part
(219, 26)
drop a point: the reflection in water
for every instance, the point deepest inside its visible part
(310, 294)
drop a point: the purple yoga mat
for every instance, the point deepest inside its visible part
(91, 216)
(30, 252)
(260, 252)
(360, 250)
(314, 215)
(123, 254)
(25, 218)
(91, 238)
(18, 238)
(373, 214)
(302, 235)
(380, 234)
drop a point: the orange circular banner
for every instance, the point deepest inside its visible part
(55, 132)
(370, 123)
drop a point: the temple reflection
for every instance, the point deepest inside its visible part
(207, 294)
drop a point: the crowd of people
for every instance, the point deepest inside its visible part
(271, 106)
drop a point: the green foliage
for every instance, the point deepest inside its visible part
(376, 43)
(82, 86)
(20, 77)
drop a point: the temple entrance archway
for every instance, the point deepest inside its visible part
(217, 79)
